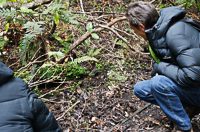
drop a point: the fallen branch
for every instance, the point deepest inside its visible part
(87, 35)
(115, 32)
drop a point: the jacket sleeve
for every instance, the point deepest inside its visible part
(43, 120)
(187, 71)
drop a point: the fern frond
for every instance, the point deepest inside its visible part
(84, 59)
(53, 8)
(34, 27)
(5, 12)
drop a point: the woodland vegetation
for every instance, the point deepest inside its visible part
(82, 59)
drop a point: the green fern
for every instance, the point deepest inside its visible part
(84, 59)
(67, 17)
(2, 43)
(34, 27)
(32, 30)
(53, 8)
(94, 52)
(7, 13)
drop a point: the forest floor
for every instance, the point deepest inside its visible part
(104, 101)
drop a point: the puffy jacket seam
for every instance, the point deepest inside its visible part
(29, 101)
(13, 99)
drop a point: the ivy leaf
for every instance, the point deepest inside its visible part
(89, 27)
(95, 36)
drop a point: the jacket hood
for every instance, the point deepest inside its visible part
(5, 73)
(167, 17)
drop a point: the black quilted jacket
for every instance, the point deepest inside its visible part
(20, 109)
(177, 44)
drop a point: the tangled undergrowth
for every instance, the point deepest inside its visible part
(82, 59)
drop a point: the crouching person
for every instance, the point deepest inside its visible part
(174, 45)
(20, 109)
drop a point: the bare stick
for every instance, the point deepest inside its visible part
(152, 1)
(54, 90)
(81, 3)
(115, 32)
(68, 110)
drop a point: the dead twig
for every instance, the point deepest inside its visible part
(82, 9)
(54, 90)
(52, 101)
(172, 2)
(115, 32)
(68, 110)
(152, 1)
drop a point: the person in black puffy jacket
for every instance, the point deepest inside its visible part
(175, 47)
(20, 108)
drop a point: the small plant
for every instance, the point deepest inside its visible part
(189, 3)
(74, 70)
(89, 28)
(3, 42)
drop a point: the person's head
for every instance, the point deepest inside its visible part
(141, 16)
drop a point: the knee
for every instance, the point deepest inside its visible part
(140, 90)
(159, 84)
(137, 90)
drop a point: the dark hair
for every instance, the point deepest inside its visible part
(142, 13)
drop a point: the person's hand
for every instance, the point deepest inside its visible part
(154, 70)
